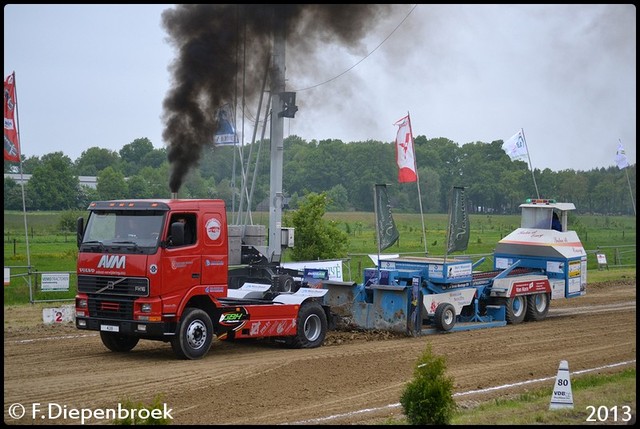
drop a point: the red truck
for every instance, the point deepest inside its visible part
(159, 270)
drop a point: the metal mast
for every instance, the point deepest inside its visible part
(277, 145)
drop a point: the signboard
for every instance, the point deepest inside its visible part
(602, 258)
(333, 267)
(55, 282)
(313, 277)
(63, 314)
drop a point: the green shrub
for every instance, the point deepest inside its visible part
(428, 398)
(148, 417)
(68, 220)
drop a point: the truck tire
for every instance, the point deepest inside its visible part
(119, 343)
(516, 309)
(312, 327)
(537, 307)
(286, 284)
(195, 334)
(445, 316)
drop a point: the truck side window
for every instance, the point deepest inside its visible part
(189, 228)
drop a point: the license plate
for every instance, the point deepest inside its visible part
(109, 328)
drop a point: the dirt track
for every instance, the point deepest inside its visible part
(260, 383)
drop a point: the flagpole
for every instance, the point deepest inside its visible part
(446, 242)
(633, 204)
(530, 166)
(415, 167)
(375, 210)
(24, 207)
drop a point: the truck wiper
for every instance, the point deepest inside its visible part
(93, 244)
(128, 243)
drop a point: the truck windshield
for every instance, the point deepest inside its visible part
(124, 228)
(538, 217)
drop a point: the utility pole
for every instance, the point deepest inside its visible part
(277, 145)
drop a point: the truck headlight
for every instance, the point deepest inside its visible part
(145, 308)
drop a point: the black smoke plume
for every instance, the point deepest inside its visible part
(221, 45)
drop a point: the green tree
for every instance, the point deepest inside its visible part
(138, 187)
(95, 159)
(132, 155)
(158, 180)
(29, 164)
(338, 199)
(68, 219)
(12, 195)
(111, 185)
(222, 191)
(155, 158)
(315, 237)
(194, 185)
(86, 195)
(53, 185)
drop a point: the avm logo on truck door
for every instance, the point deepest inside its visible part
(112, 261)
(213, 228)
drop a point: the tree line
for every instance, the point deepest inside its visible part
(346, 172)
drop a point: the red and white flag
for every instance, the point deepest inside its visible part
(405, 156)
(11, 143)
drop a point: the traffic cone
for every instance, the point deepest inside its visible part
(562, 396)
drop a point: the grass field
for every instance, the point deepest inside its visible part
(52, 249)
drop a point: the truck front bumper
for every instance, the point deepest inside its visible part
(150, 330)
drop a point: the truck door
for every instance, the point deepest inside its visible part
(181, 266)
(215, 257)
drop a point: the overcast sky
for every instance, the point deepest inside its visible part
(97, 75)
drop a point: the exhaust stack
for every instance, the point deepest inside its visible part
(174, 195)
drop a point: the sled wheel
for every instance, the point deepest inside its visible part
(445, 316)
(537, 307)
(118, 342)
(312, 327)
(195, 335)
(516, 309)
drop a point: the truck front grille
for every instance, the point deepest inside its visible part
(113, 285)
(111, 307)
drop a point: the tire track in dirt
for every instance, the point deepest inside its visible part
(256, 382)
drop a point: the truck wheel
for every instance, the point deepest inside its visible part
(312, 327)
(118, 342)
(445, 316)
(286, 284)
(195, 335)
(516, 309)
(537, 307)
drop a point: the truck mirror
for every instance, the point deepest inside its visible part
(79, 230)
(177, 234)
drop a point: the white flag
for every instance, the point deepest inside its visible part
(515, 147)
(621, 158)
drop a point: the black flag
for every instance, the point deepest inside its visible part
(459, 225)
(387, 231)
